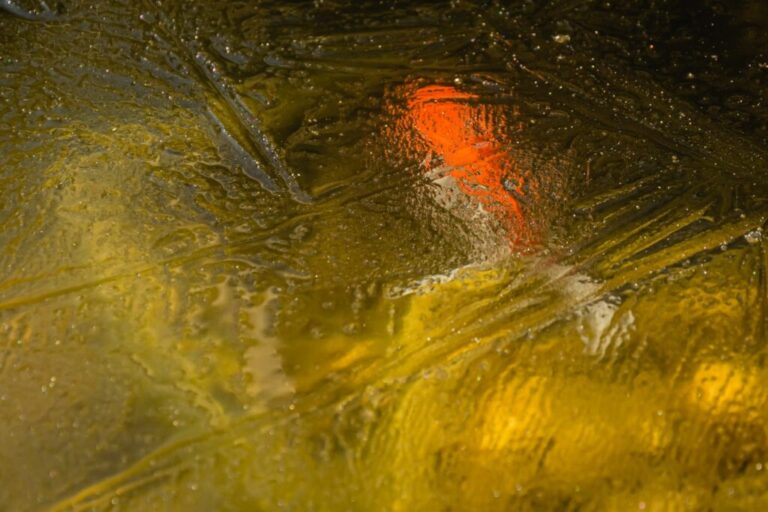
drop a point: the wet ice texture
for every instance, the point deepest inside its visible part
(227, 281)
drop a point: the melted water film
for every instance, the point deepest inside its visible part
(383, 255)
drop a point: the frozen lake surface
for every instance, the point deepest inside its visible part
(383, 255)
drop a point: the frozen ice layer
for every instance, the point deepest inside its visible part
(350, 256)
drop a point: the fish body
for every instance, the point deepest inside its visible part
(467, 140)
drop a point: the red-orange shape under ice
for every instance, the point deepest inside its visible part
(468, 137)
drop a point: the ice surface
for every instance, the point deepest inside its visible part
(383, 256)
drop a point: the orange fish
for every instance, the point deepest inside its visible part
(468, 139)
